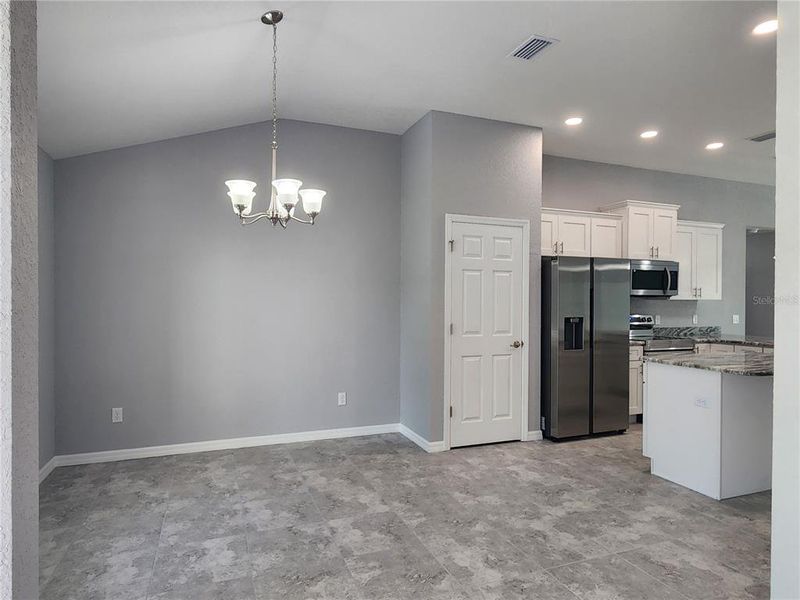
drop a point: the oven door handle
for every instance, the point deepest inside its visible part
(669, 280)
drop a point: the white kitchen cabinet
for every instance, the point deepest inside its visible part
(574, 235)
(648, 228)
(580, 233)
(698, 250)
(606, 236)
(549, 233)
(635, 381)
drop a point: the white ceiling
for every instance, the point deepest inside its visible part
(113, 74)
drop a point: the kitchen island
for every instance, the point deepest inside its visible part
(708, 420)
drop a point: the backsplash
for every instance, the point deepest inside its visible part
(712, 331)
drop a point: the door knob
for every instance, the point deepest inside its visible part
(517, 344)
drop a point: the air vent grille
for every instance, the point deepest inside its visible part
(770, 135)
(532, 46)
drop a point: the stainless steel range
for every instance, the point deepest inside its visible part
(640, 327)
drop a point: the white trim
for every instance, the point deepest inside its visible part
(533, 436)
(639, 203)
(525, 225)
(227, 444)
(419, 440)
(47, 469)
(701, 224)
(552, 210)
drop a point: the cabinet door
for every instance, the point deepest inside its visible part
(665, 223)
(574, 232)
(634, 388)
(708, 263)
(639, 232)
(606, 237)
(549, 233)
(684, 254)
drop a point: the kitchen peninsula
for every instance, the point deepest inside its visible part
(708, 419)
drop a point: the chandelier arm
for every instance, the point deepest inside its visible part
(303, 221)
(254, 218)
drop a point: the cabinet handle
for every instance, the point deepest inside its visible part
(657, 251)
(562, 247)
(651, 252)
(694, 292)
(555, 247)
(701, 292)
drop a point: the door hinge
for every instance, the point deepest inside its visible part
(451, 412)
(452, 244)
(451, 329)
(541, 425)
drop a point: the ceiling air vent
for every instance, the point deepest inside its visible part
(770, 135)
(532, 46)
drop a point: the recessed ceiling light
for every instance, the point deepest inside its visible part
(766, 27)
(648, 134)
(574, 121)
(714, 146)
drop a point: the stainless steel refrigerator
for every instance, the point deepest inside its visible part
(585, 309)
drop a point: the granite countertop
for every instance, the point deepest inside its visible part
(734, 363)
(742, 340)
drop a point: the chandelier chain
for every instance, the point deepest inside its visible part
(274, 86)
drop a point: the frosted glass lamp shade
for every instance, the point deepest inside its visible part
(241, 194)
(312, 201)
(286, 190)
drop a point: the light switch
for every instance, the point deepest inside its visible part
(658, 319)
(694, 319)
(735, 319)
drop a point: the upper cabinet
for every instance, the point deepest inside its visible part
(649, 229)
(698, 250)
(580, 233)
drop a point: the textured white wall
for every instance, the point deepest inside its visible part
(19, 461)
(786, 401)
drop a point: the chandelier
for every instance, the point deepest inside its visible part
(284, 197)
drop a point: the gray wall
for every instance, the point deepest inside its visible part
(416, 318)
(201, 329)
(760, 283)
(19, 305)
(479, 167)
(47, 326)
(584, 185)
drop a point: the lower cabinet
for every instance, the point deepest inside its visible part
(635, 382)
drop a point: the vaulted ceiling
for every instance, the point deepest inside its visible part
(113, 74)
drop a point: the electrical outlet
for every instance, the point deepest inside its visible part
(342, 398)
(694, 319)
(735, 319)
(658, 319)
(116, 415)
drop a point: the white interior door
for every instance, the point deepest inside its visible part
(487, 297)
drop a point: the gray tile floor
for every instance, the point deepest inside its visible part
(375, 517)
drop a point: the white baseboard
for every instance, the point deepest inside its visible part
(66, 460)
(419, 440)
(47, 469)
(534, 436)
(86, 458)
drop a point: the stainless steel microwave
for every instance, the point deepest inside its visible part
(654, 278)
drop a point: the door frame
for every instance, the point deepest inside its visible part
(525, 226)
